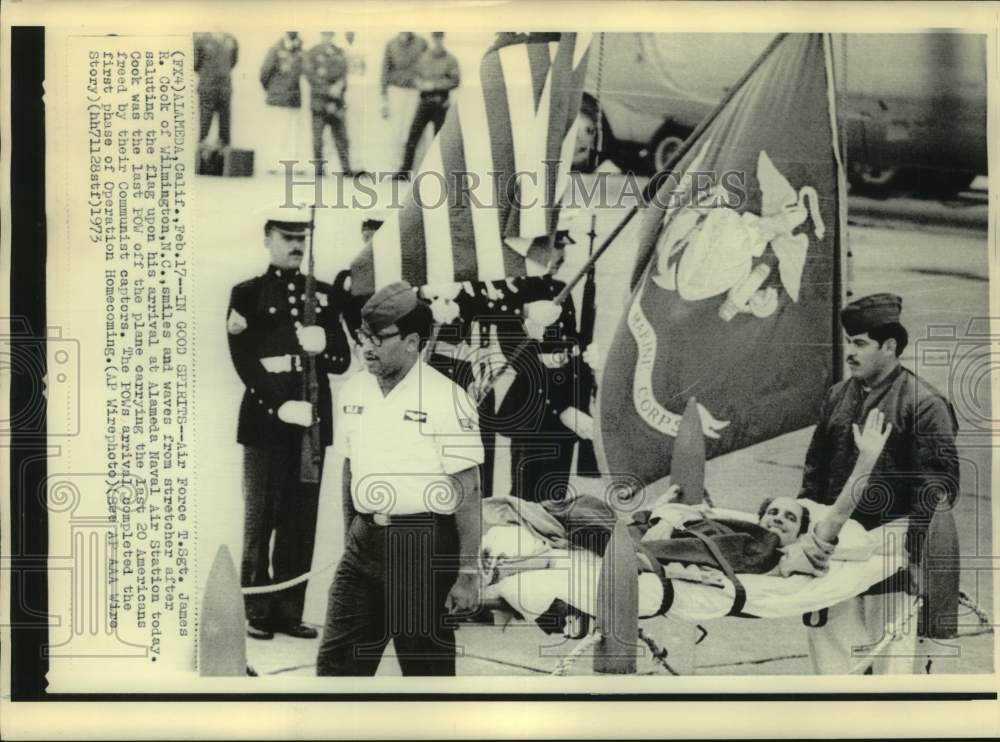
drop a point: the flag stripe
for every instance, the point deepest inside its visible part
(529, 128)
(433, 196)
(500, 137)
(484, 210)
(413, 245)
(463, 242)
(386, 253)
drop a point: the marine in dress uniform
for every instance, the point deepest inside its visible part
(411, 502)
(460, 353)
(437, 74)
(918, 465)
(541, 412)
(215, 55)
(399, 89)
(280, 75)
(267, 343)
(325, 67)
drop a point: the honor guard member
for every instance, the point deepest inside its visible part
(268, 342)
(215, 55)
(411, 501)
(280, 75)
(437, 75)
(325, 66)
(917, 468)
(399, 89)
(541, 412)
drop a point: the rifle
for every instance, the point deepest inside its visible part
(312, 443)
(586, 459)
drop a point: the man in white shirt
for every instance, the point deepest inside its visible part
(412, 449)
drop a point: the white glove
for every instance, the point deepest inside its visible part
(593, 357)
(543, 312)
(312, 339)
(579, 422)
(296, 412)
(445, 311)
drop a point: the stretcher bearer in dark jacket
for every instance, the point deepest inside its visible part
(280, 75)
(268, 343)
(541, 412)
(917, 468)
(325, 66)
(215, 55)
(437, 75)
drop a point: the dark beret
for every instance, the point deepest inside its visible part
(389, 304)
(869, 312)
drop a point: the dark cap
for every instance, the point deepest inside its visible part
(389, 304)
(869, 312)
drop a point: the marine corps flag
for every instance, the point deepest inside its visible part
(736, 291)
(494, 175)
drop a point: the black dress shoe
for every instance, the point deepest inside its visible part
(299, 631)
(259, 632)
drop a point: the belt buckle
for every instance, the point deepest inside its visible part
(381, 519)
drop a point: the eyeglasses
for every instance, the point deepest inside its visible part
(375, 338)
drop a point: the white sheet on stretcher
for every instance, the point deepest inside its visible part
(863, 559)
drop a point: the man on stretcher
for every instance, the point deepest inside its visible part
(527, 562)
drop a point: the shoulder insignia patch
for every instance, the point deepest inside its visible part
(236, 323)
(353, 409)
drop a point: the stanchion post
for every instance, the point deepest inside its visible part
(618, 606)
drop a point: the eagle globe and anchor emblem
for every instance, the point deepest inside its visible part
(705, 250)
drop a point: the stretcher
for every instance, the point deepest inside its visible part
(687, 592)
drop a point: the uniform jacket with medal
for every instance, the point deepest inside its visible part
(325, 67)
(919, 459)
(547, 371)
(261, 322)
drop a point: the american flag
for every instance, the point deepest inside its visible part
(511, 132)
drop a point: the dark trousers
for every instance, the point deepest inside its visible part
(540, 465)
(211, 102)
(278, 504)
(432, 110)
(338, 127)
(391, 583)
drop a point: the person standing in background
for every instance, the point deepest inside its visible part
(917, 470)
(279, 75)
(437, 76)
(325, 67)
(268, 343)
(399, 89)
(215, 55)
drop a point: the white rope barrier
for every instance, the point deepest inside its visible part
(278, 586)
(985, 624)
(579, 650)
